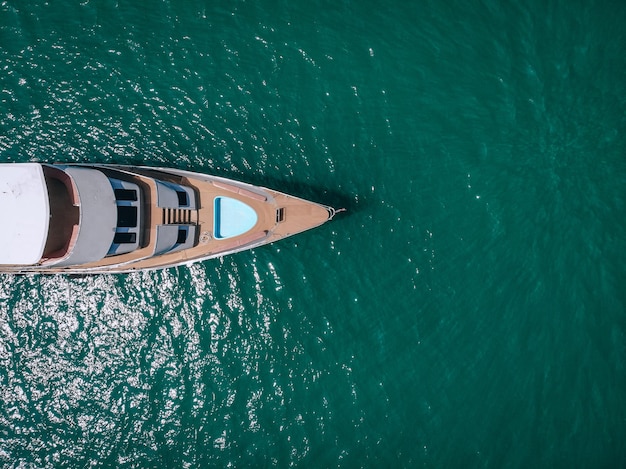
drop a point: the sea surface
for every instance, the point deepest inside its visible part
(469, 308)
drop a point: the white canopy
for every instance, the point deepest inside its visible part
(25, 212)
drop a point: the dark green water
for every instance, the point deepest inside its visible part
(468, 311)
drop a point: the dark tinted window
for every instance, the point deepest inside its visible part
(125, 194)
(183, 198)
(125, 238)
(126, 216)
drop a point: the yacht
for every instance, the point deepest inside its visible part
(93, 218)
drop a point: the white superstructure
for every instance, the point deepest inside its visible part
(25, 212)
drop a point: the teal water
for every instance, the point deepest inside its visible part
(469, 310)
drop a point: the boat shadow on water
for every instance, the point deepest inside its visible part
(336, 198)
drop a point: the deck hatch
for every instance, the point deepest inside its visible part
(280, 215)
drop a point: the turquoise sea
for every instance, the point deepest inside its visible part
(469, 308)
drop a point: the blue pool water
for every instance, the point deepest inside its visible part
(232, 217)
